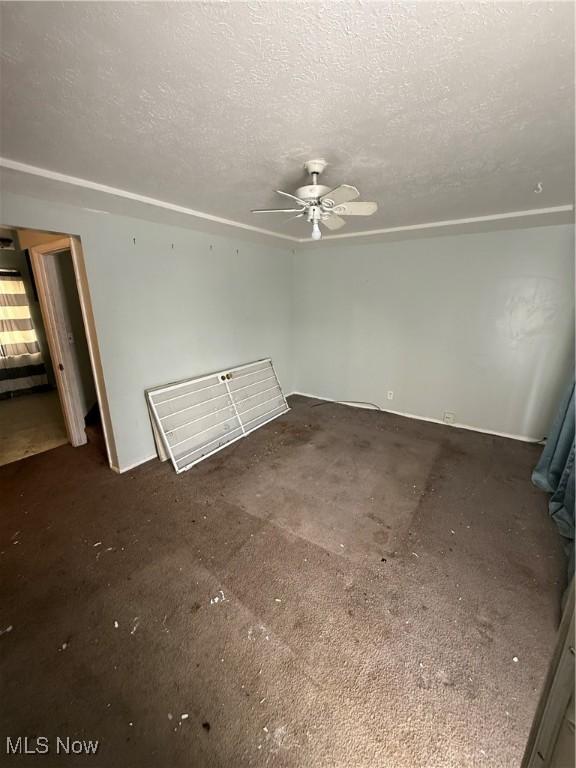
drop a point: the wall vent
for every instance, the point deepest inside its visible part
(198, 417)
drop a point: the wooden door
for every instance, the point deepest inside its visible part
(59, 334)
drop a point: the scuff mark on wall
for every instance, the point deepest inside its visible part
(529, 313)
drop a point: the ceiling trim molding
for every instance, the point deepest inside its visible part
(449, 223)
(33, 170)
(14, 165)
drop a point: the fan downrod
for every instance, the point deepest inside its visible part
(313, 191)
(315, 168)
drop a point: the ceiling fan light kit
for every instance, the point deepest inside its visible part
(321, 205)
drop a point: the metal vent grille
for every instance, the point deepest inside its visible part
(198, 417)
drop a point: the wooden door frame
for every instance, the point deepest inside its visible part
(61, 353)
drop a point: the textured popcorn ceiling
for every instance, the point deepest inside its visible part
(437, 111)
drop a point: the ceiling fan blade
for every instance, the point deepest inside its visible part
(277, 210)
(333, 222)
(356, 209)
(342, 194)
(293, 197)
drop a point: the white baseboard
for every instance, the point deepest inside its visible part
(522, 438)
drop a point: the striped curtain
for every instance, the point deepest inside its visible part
(21, 363)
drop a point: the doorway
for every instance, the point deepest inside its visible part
(46, 312)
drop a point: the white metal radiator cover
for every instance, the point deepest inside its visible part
(198, 417)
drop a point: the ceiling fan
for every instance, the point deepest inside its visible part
(322, 205)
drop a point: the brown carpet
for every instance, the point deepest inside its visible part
(344, 588)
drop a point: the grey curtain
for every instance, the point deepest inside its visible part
(21, 364)
(554, 473)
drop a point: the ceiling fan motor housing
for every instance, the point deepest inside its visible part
(311, 192)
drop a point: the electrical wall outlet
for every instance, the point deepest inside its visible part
(449, 417)
(390, 395)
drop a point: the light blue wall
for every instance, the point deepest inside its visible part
(174, 304)
(481, 325)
